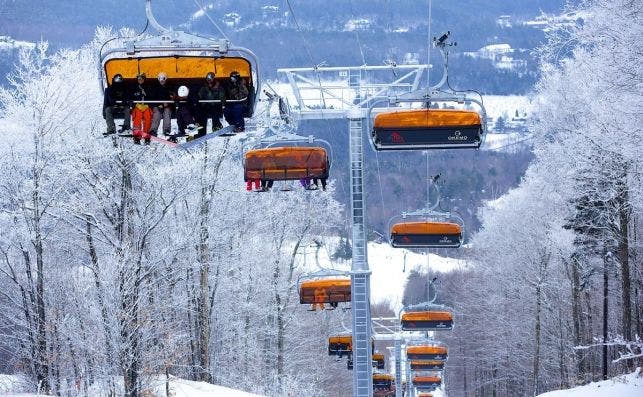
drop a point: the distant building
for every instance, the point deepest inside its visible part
(411, 58)
(500, 55)
(270, 11)
(231, 19)
(357, 24)
(504, 21)
(9, 43)
(546, 22)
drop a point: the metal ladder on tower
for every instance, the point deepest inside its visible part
(360, 273)
(398, 366)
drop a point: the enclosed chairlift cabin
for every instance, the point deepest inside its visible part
(286, 163)
(428, 127)
(378, 360)
(428, 227)
(340, 345)
(383, 382)
(422, 382)
(425, 394)
(288, 157)
(427, 352)
(186, 58)
(426, 234)
(330, 290)
(325, 286)
(421, 129)
(427, 365)
(433, 318)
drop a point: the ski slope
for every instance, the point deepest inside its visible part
(630, 385)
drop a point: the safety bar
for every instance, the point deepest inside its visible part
(199, 101)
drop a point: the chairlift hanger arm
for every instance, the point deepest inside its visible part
(152, 20)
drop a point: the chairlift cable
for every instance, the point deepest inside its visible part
(428, 47)
(359, 42)
(379, 179)
(310, 55)
(198, 4)
(299, 30)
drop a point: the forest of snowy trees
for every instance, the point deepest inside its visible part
(556, 295)
(122, 264)
(137, 261)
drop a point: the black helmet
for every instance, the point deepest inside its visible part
(118, 78)
(210, 76)
(235, 74)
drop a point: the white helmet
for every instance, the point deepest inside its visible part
(183, 91)
(162, 76)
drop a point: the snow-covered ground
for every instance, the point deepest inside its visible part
(186, 388)
(9, 43)
(14, 385)
(621, 386)
(17, 386)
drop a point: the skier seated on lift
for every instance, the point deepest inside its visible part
(320, 296)
(211, 91)
(260, 185)
(237, 91)
(162, 111)
(141, 112)
(115, 98)
(185, 111)
(313, 183)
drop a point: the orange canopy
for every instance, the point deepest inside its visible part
(426, 227)
(378, 357)
(286, 163)
(176, 67)
(326, 283)
(427, 379)
(341, 339)
(425, 395)
(387, 377)
(426, 350)
(429, 315)
(427, 118)
(426, 362)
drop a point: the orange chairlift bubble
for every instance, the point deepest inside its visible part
(426, 234)
(421, 129)
(437, 117)
(425, 394)
(185, 59)
(378, 360)
(427, 381)
(288, 157)
(324, 287)
(383, 381)
(340, 345)
(427, 365)
(432, 318)
(427, 352)
(427, 228)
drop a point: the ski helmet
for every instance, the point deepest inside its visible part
(118, 78)
(183, 91)
(209, 76)
(162, 76)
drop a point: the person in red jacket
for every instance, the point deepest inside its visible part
(142, 112)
